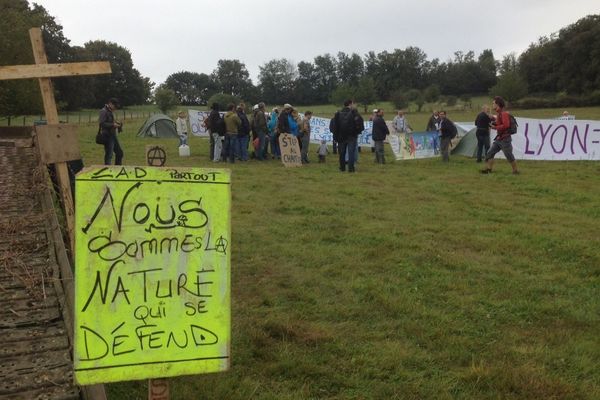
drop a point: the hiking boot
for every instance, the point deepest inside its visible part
(486, 171)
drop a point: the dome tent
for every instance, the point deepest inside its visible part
(158, 125)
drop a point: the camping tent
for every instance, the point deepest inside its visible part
(158, 125)
(467, 146)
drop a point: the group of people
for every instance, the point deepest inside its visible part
(230, 135)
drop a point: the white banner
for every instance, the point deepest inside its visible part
(557, 140)
(197, 122)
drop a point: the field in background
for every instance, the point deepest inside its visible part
(405, 281)
(409, 280)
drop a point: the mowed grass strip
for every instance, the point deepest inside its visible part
(410, 280)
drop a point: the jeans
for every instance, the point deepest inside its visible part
(183, 139)
(217, 147)
(231, 143)
(243, 141)
(212, 140)
(112, 145)
(275, 146)
(347, 145)
(445, 149)
(305, 147)
(379, 152)
(483, 145)
(260, 152)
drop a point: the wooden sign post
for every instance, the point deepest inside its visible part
(43, 72)
(53, 147)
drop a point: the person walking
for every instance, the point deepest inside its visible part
(447, 133)
(109, 127)
(380, 132)
(347, 125)
(482, 122)
(503, 139)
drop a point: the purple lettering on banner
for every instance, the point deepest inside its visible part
(527, 151)
(564, 144)
(583, 144)
(543, 134)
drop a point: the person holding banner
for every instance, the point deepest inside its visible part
(503, 140)
(380, 131)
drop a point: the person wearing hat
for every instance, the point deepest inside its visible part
(109, 127)
(283, 121)
(259, 123)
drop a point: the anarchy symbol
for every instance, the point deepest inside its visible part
(221, 245)
(156, 156)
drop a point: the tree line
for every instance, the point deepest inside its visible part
(563, 67)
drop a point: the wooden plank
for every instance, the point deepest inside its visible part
(58, 143)
(54, 70)
(62, 174)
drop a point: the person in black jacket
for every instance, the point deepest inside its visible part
(243, 133)
(109, 128)
(347, 125)
(447, 133)
(483, 122)
(380, 131)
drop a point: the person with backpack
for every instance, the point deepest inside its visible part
(505, 126)
(448, 132)
(347, 125)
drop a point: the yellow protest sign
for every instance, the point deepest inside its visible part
(152, 278)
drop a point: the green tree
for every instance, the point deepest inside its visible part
(223, 99)
(342, 93)
(511, 86)
(326, 79)
(365, 92)
(125, 82)
(398, 99)
(232, 77)
(191, 88)
(277, 80)
(350, 68)
(305, 86)
(432, 93)
(165, 99)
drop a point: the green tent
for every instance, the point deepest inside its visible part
(467, 146)
(159, 126)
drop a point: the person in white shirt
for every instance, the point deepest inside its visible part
(182, 129)
(400, 123)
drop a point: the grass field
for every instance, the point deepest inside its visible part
(412, 280)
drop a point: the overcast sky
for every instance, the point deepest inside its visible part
(165, 37)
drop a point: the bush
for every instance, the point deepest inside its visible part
(223, 100)
(165, 99)
(398, 99)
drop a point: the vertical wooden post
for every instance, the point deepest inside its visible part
(62, 174)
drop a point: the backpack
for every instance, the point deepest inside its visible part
(221, 128)
(512, 129)
(333, 127)
(454, 131)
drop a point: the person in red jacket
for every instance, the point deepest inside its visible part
(503, 140)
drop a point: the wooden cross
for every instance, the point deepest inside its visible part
(43, 72)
